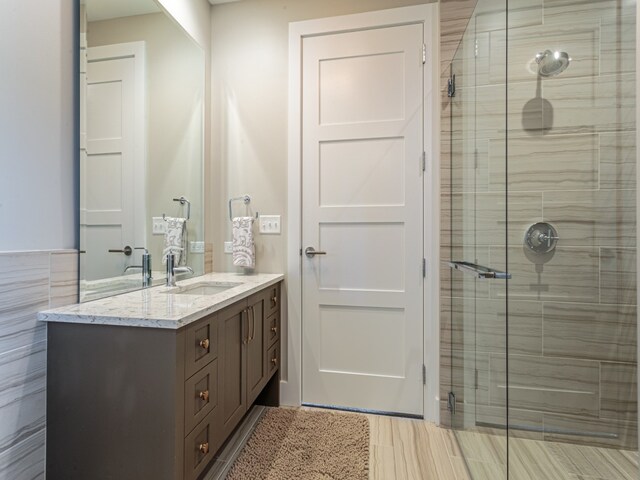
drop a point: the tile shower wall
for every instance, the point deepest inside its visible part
(572, 315)
(29, 282)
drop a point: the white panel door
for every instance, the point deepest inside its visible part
(111, 164)
(362, 144)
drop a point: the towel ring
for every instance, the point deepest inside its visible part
(245, 198)
(182, 200)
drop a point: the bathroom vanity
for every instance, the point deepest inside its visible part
(150, 384)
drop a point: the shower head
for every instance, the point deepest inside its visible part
(551, 63)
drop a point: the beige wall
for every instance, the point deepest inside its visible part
(175, 70)
(249, 46)
(37, 184)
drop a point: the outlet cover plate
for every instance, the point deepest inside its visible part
(228, 247)
(196, 247)
(270, 224)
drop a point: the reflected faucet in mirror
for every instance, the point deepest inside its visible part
(147, 275)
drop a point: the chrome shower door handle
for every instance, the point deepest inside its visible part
(311, 252)
(479, 271)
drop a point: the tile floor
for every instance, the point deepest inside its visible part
(405, 449)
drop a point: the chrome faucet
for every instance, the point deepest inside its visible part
(146, 267)
(172, 270)
(171, 274)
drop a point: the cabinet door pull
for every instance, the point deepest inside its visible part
(253, 324)
(205, 343)
(274, 300)
(274, 360)
(204, 395)
(245, 314)
(204, 448)
(274, 329)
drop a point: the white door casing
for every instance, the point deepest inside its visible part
(291, 387)
(112, 204)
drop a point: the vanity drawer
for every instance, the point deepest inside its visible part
(201, 395)
(274, 359)
(199, 448)
(202, 344)
(272, 331)
(272, 305)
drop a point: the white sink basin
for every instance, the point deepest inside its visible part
(202, 288)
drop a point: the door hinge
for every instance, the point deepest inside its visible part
(424, 161)
(300, 252)
(451, 86)
(475, 380)
(424, 268)
(451, 403)
(424, 53)
(424, 374)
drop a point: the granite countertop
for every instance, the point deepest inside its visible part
(162, 307)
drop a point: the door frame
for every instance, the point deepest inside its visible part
(291, 384)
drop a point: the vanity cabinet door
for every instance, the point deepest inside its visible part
(272, 329)
(202, 344)
(199, 448)
(201, 396)
(273, 304)
(233, 335)
(256, 353)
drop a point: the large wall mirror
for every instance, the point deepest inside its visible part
(141, 146)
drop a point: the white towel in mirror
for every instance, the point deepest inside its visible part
(175, 240)
(244, 249)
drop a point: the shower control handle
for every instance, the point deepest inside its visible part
(548, 238)
(541, 238)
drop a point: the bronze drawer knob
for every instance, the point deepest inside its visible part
(204, 448)
(274, 360)
(205, 343)
(204, 395)
(274, 329)
(274, 300)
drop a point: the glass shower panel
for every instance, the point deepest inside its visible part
(476, 244)
(572, 365)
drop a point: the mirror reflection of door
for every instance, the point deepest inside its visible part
(112, 163)
(141, 141)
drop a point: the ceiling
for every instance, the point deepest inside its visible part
(101, 10)
(218, 2)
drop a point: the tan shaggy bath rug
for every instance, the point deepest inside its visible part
(305, 445)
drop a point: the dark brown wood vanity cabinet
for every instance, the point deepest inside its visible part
(145, 403)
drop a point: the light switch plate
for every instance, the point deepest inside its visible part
(228, 247)
(270, 224)
(196, 247)
(159, 226)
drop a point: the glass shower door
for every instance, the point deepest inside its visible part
(476, 244)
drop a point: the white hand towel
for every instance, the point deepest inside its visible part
(175, 239)
(244, 250)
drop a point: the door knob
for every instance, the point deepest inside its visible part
(311, 252)
(127, 250)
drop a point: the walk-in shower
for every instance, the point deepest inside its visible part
(538, 313)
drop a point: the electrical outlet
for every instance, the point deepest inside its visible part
(228, 247)
(196, 247)
(270, 224)
(159, 226)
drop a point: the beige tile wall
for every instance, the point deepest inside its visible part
(29, 282)
(571, 162)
